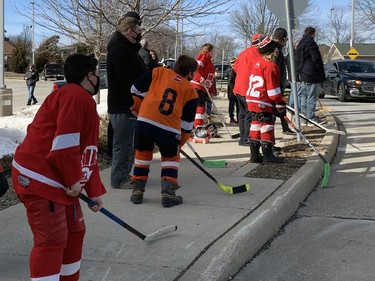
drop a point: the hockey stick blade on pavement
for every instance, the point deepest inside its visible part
(327, 166)
(149, 237)
(334, 131)
(207, 163)
(227, 189)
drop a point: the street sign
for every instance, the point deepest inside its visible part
(352, 53)
(277, 7)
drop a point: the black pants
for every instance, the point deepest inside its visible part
(233, 103)
(244, 118)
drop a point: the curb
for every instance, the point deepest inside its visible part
(226, 257)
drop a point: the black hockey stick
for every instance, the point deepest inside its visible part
(227, 189)
(327, 167)
(316, 123)
(116, 219)
(235, 136)
(208, 163)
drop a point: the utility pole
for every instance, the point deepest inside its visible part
(352, 33)
(33, 41)
(331, 25)
(6, 95)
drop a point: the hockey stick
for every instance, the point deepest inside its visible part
(315, 123)
(235, 136)
(327, 167)
(208, 163)
(227, 189)
(116, 219)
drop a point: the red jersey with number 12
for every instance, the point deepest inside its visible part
(264, 86)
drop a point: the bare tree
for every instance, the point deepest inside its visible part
(252, 17)
(92, 21)
(340, 25)
(365, 18)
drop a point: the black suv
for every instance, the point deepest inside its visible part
(52, 70)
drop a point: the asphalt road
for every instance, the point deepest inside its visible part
(20, 95)
(333, 235)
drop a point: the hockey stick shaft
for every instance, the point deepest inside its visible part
(326, 164)
(127, 226)
(210, 163)
(315, 123)
(227, 189)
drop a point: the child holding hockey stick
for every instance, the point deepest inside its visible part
(173, 101)
(263, 97)
(57, 159)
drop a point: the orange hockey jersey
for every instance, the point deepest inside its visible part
(166, 103)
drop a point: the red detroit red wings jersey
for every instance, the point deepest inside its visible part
(264, 86)
(242, 67)
(168, 105)
(60, 147)
(205, 74)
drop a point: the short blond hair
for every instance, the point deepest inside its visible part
(126, 23)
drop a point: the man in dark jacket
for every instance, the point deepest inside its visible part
(311, 72)
(31, 78)
(124, 66)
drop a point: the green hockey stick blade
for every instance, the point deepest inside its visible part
(215, 163)
(235, 189)
(327, 171)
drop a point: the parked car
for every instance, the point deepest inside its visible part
(221, 71)
(169, 63)
(58, 84)
(52, 70)
(349, 79)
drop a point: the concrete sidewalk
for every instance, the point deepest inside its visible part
(217, 232)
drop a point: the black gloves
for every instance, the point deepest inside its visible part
(281, 109)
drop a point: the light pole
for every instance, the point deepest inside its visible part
(33, 41)
(331, 27)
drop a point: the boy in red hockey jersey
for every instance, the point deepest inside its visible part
(242, 67)
(204, 79)
(165, 103)
(57, 159)
(262, 97)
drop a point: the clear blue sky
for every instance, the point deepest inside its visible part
(14, 23)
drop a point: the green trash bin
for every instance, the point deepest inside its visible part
(6, 102)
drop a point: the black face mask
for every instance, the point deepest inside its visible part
(97, 86)
(138, 37)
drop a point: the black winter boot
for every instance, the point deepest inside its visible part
(255, 156)
(168, 194)
(268, 156)
(138, 191)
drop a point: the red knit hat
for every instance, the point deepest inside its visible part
(266, 45)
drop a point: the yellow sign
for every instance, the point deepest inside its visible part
(352, 53)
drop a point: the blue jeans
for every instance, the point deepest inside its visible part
(291, 97)
(30, 90)
(123, 152)
(309, 96)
